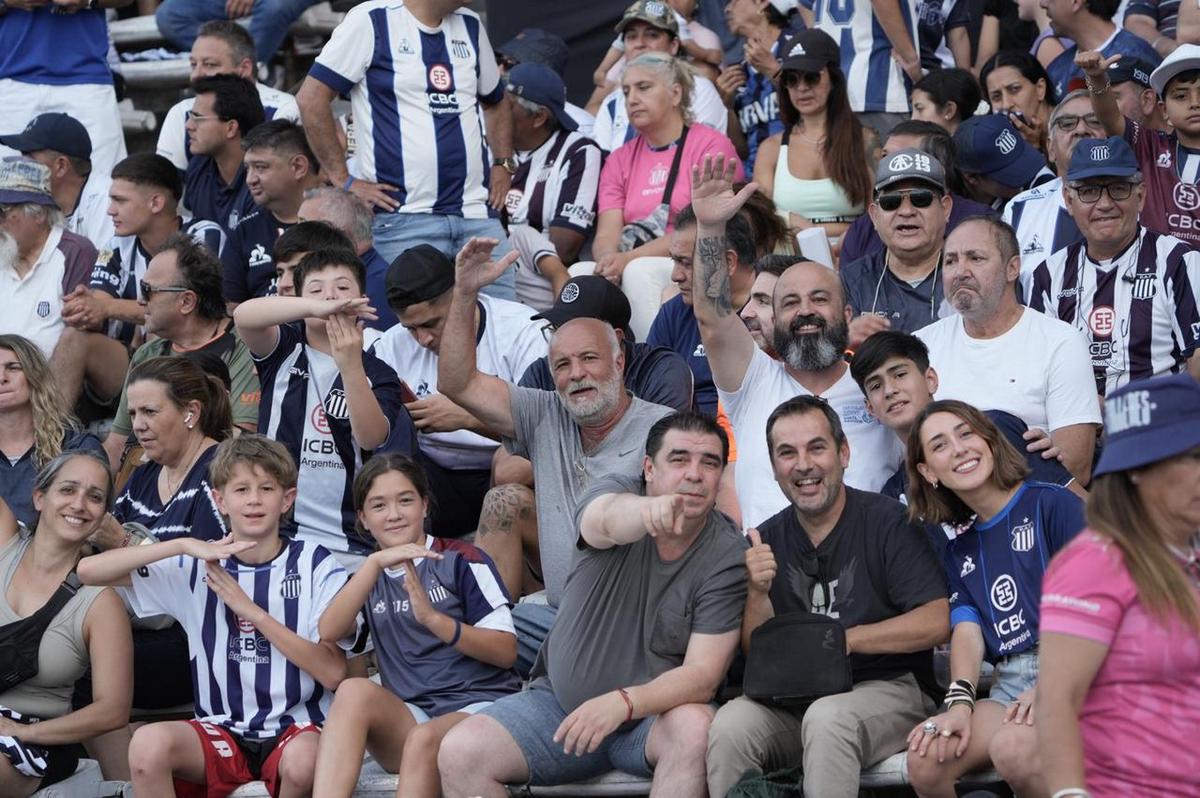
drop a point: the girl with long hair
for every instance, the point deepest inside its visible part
(962, 471)
(816, 169)
(1119, 694)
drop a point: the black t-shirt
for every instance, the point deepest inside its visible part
(873, 566)
(249, 257)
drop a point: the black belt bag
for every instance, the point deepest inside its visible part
(20, 640)
(795, 659)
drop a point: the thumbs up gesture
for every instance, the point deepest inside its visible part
(760, 563)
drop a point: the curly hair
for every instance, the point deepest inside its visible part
(51, 421)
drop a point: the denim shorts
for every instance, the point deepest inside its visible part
(1013, 676)
(533, 716)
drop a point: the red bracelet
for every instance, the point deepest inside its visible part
(628, 703)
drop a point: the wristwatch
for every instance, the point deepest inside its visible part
(509, 163)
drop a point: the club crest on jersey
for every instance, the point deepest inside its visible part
(1004, 593)
(460, 49)
(1022, 536)
(336, 405)
(968, 567)
(289, 588)
(1145, 286)
(43, 309)
(1186, 196)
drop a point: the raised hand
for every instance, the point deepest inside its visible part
(663, 515)
(345, 338)
(228, 590)
(358, 307)
(729, 82)
(405, 552)
(760, 563)
(436, 413)
(474, 267)
(214, 550)
(1093, 63)
(713, 199)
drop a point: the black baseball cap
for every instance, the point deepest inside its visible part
(54, 131)
(810, 51)
(590, 296)
(418, 275)
(1130, 69)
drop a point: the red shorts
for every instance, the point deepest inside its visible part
(225, 764)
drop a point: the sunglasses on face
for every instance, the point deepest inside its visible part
(1090, 194)
(919, 197)
(1068, 122)
(793, 79)
(148, 290)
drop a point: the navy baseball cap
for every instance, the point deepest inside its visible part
(590, 296)
(1110, 157)
(537, 46)
(55, 131)
(540, 84)
(1148, 421)
(989, 145)
(1130, 69)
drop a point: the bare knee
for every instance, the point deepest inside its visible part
(924, 772)
(355, 693)
(459, 747)
(298, 762)
(150, 750)
(422, 742)
(685, 730)
(1013, 751)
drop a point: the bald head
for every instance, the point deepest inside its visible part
(811, 317)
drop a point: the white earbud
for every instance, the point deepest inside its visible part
(187, 419)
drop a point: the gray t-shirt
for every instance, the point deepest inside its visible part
(548, 436)
(626, 615)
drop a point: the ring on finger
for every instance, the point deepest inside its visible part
(930, 727)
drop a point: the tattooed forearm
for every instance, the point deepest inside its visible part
(714, 275)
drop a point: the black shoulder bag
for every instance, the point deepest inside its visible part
(796, 658)
(20, 640)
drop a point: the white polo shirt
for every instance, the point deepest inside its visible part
(33, 304)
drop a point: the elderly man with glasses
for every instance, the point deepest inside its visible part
(1133, 292)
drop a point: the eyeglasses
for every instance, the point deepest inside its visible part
(1089, 194)
(1068, 122)
(791, 80)
(547, 331)
(148, 290)
(919, 197)
(204, 117)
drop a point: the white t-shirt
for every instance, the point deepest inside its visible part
(875, 453)
(507, 343)
(90, 218)
(1040, 370)
(612, 122)
(172, 136)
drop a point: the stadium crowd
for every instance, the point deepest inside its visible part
(823, 391)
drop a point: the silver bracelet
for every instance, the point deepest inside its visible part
(1072, 792)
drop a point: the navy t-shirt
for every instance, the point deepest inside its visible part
(190, 512)
(995, 568)
(675, 327)
(248, 258)
(207, 196)
(652, 373)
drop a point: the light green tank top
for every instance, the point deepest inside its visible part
(820, 201)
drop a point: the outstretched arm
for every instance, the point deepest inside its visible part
(1095, 66)
(482, 395)
(725, 337)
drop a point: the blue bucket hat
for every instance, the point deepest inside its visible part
(1110, 157)
(1148, 421)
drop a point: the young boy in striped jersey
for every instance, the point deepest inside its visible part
(250, 605)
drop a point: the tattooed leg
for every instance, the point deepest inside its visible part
(508, 533)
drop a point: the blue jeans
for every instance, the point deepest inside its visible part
(180, 21)
(1013, 676)
(532, 622)
(396, 232)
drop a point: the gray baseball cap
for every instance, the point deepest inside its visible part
(910, 164)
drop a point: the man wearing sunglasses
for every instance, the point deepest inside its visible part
(900, 287)
(1133, 292)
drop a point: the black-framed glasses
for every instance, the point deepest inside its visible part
(147, 290)
(919, 197)
(1089, 193)
(791, 79)
(1068, 122)
(547, 330)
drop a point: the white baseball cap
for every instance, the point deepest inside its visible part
(1185, 58)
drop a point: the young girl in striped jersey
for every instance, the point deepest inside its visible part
(445, 650)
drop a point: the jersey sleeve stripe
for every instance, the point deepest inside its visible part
(330, 78)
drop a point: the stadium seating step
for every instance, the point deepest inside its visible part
(84, 783)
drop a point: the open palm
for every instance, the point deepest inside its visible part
(474, 268)
(713, 199)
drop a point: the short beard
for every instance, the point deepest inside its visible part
(592, 411)
(812, 352)
(8, 252)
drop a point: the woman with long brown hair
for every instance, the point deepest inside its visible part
(1119, 695)
(816, 169)
(963, 472)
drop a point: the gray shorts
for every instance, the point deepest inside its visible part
(531, 717)
(1013, 676)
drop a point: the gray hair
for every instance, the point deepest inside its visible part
(344, 211)
(610, 336)
(530, 107)
(52, 216)
(1059, 110)
(675, 72)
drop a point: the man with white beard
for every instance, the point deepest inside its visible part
(589, 427)
(811, 331)
(40, 262)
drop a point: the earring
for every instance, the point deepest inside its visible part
(1135, 479)
(934, 483)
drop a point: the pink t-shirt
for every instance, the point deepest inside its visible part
(635, 176)
(1140, 721)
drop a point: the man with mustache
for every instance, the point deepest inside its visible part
(997, 354)
(812, 321)
(589, 427)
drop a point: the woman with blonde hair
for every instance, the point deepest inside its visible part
(1119, 695)
(647, 180)
(34, 426)
(963, 472)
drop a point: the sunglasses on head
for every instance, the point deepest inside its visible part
(919, 197)
(792, 79)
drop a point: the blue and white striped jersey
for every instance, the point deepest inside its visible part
(1138, 310)
(304, 407)
(874, 79)
(241, 681)
(415, 94)
(1042, 223)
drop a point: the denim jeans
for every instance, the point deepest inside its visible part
(396, 232)
(180, 21)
